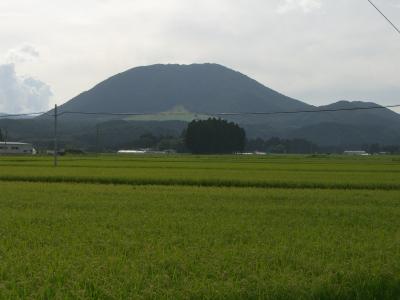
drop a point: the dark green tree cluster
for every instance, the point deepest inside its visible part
(214, 136)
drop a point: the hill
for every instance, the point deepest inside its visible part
(352, 127)
(208, 88)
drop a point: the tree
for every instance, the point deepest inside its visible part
(214, 136)
(1, 135)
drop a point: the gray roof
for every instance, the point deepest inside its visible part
(13, 143)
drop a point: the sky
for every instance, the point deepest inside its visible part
(317, 51)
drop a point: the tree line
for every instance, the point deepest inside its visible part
(278, 145)
(212, 136)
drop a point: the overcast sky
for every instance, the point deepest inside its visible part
(318, 51)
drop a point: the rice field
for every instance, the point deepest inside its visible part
(202, 227)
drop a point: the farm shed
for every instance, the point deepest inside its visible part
(16, 148)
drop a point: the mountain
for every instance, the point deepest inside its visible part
(168, 93)
(4, 116)
(362, 116)
(351, 127)
(198, 88)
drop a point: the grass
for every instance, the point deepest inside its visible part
(128, 241)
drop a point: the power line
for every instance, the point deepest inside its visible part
(308, 111)
(232, 113)
(387, 19)
(202, 113)
(110, 114)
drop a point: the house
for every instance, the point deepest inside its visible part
(16, 148)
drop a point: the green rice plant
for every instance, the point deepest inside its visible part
(239, 171)
(75, 241)
(213, 227)
(201, 182)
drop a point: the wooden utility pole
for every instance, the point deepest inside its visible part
(55, 136)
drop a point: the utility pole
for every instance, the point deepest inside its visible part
(55, 136)
(97, 139)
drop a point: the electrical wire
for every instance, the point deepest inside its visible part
(387, 19)
(107, 114)
(308, 111)
(202, 113)
(232, 113)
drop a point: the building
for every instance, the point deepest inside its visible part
(131, 152)
(362, 153)
(16, 148)
(146, 151)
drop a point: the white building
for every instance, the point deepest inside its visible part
(131, 152)
(16, 148)
(361, 153)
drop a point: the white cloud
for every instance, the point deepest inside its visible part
(20, 94)
(22, 54)
(304, 5)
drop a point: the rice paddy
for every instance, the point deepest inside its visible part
(203, 227)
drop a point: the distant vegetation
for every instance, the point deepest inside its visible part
(277, 145)
(214, 136)
(302, 146)
(113, 135)
(160, 142)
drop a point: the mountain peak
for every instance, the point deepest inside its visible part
(198, 87)
(351, 104)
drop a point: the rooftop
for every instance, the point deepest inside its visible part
(13, 143)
